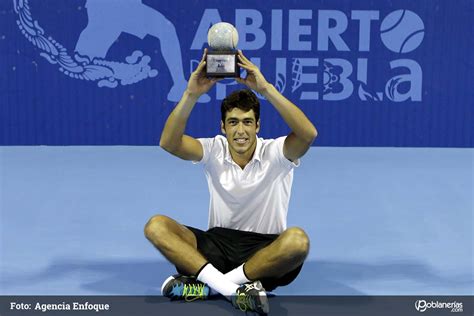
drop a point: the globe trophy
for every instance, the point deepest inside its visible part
(221, 60)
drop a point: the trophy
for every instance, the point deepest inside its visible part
(221, 60)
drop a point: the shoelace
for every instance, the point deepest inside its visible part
(193, 292)
(244, 302)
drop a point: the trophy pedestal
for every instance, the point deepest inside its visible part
(222, 64)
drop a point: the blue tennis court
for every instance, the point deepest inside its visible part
(382, 221)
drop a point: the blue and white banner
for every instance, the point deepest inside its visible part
(367, 73)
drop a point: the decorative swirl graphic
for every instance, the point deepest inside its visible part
(280, 83)
(365, 93)
(108, 73)
(332, 78)
(391, 88)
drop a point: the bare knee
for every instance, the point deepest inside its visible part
(162, 230)
(156, 227)
(296, 241)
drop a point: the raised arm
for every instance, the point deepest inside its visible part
(303, 131)
(173, 139)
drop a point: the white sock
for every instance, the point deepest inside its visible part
(236, 276)
(217, 281)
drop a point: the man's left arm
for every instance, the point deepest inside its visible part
(303, 131)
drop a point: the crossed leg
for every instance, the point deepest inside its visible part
(179, 245)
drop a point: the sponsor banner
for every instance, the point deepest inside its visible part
(367, 73)
(279, 305)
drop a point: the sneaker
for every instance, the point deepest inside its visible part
(251, 297)
(183, 287)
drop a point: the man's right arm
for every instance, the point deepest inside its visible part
(173, 139)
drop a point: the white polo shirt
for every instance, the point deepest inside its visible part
(253, 199)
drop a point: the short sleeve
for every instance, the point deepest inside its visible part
(207, 144)
(279, 143)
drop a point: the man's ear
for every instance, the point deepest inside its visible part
(222, 127)
(258, 126)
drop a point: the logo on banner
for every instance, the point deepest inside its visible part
(422, 306)
(355, 69)
(328, 55)
(105, 24)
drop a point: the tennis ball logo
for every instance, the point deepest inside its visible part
(402, 31)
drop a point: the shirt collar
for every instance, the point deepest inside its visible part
(257, 155)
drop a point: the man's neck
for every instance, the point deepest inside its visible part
(243, 159)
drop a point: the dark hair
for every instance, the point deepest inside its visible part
(244, 100)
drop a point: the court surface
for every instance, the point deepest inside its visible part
(382, 221)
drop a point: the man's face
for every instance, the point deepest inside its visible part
(241, 130)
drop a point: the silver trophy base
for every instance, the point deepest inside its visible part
(221, 64)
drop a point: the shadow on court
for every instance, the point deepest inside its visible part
(118, 277)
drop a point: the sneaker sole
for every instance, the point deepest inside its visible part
(263, 299)
(263, 303)
(166, 282)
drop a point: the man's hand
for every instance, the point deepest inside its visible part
(254, 80)
(198, 83)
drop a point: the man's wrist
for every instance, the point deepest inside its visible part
(191, 95)
(267, 90)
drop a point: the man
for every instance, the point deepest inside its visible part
(248, 244)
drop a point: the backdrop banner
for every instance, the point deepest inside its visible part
(108, 72)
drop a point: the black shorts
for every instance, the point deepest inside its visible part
(226, 249)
